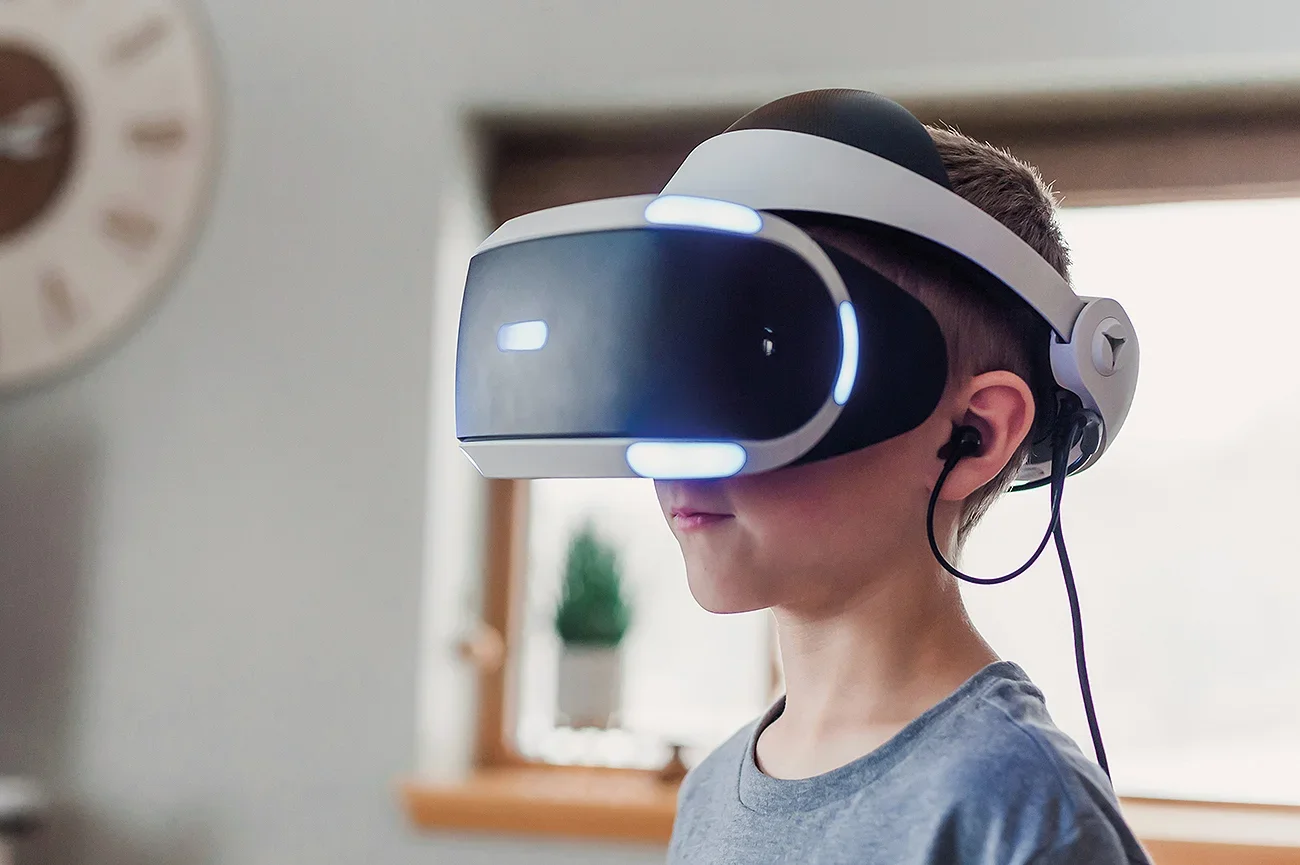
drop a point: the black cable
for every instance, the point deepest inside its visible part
(966, 443)
(955, 454)
(1081, 662)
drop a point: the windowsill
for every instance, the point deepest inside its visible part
(619, 805)
(603, 804)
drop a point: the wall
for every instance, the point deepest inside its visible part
(214, 540)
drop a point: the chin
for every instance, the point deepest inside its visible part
(724, 591)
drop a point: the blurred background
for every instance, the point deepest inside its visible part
(255, 606)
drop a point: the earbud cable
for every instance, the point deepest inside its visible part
(1080, 661)
(1060, 468)
(1058, 488)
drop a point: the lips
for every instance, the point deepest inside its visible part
(688, 519)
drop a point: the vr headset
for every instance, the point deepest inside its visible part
(701, 333)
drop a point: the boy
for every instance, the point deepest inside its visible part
(902, 738)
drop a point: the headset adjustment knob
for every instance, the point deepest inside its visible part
(1109, 342)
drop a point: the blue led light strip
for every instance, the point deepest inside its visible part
(850, 348)
(686, 460)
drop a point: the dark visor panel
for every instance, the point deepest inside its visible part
(648, 333)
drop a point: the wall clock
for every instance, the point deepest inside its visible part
(107, 143)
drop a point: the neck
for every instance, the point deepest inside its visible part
(876, 660)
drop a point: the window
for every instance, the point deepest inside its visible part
(1187, 593)
(1179, 537)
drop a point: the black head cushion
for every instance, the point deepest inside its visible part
(860, 119)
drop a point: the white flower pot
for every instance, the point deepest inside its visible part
(590, 687)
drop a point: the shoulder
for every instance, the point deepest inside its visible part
(1008, 736)
(1013, 782)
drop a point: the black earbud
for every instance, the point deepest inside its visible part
(965, 442)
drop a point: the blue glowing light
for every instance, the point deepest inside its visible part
(849, 357)
(703, 213)
(522, 336)
(686, 460)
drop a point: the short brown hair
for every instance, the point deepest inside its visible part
(987, 327)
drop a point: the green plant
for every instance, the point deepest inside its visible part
(592, 610)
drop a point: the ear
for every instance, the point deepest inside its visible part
(1001, 407)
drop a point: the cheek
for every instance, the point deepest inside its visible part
(830, 509)
(800, 532)
(807, 497)
(795, 523)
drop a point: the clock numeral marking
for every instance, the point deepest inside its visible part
(56, 302)
(158, 135)
(137, 43)
(130, 228)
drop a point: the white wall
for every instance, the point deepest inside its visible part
(213, 541)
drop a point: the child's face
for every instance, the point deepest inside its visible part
(802, 537)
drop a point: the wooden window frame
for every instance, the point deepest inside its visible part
(1102, 149)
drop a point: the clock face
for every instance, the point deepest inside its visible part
(107, 121)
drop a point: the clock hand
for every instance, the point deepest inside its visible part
(24, 132)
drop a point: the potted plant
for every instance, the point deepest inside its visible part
(591, 619)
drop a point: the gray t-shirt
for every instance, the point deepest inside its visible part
(984, 777)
